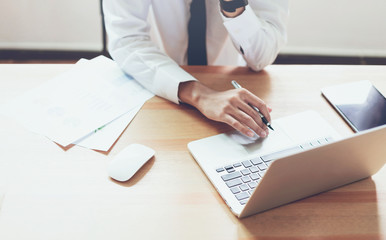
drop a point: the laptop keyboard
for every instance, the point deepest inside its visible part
(243, 177)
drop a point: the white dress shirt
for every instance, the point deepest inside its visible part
(149, 38)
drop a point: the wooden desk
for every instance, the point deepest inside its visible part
(49, 193)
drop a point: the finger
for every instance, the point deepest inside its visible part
(240, 101)
(253, 114)
(258, 103)
(246, 120)
(231, 121)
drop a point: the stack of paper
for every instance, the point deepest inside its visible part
(90, 105)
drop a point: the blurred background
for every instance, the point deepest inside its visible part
(319, 32)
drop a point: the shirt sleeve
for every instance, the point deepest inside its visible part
(259, 32)
(130, 46)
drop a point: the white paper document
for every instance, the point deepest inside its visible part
(103, 138)
(78, 102)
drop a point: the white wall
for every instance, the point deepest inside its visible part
(50, 24)
(323, 27)
(337, 27)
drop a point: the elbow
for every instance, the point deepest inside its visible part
(265, 55)
(257, 67)
(260, 63)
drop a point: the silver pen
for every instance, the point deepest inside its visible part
(265, 121)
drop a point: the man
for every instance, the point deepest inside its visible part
(257, 30)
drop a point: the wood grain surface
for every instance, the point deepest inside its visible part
(47, 192)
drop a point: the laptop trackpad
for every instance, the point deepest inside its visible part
(233, 146)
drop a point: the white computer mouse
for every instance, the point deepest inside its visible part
(127, 162)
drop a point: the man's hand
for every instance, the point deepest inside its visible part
(230, 107)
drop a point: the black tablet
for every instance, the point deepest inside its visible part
(360, 104)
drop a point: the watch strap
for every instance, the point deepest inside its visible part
(233, 5)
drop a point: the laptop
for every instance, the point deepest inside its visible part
(302, 157)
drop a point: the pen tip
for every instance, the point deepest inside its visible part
(271, 127)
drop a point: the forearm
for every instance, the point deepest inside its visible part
(131, 47)
(259, 32)
(152, 69)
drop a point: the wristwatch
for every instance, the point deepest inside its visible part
(232, 5)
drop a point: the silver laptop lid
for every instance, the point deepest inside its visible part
(319, 169)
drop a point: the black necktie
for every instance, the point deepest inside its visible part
(197, 32)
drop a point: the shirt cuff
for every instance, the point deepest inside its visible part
(167, 80)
